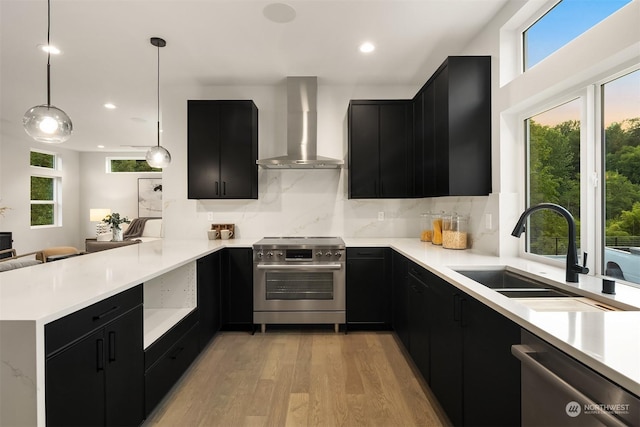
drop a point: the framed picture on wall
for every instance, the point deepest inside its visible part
(150, 197)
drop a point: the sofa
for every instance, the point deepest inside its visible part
(151, 229)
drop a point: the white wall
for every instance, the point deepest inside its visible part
(115, 191)
(15, 191)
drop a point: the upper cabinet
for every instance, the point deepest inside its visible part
(222, 150)
(380, 149)
(456, 120)
(437, 144)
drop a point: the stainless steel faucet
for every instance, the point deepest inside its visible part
(573, 268)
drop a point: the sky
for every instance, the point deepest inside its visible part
(566, 21)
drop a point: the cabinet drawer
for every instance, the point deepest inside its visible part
(169, 339)
(353, 253)
(164, 374)
(418, 272)
(70, 328)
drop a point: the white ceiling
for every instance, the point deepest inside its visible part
(107, 55)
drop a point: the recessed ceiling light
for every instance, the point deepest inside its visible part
(100, 146)
(367, 47)
(110, 106)
(49, 48)
(279, 12)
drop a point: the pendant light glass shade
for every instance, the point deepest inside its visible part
(47, 123)
(158, 157)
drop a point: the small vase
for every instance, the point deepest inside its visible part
(117, 235)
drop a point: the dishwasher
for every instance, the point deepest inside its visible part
(558, 390)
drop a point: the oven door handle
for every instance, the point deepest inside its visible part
(299, 267)
(524, 352)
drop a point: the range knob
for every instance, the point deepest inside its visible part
(280, 254)
(270, 254)
(338, 254)
(260, 255)
(319, 253)
(328, 254)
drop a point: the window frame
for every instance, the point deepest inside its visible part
(108, 160)
(55, 174)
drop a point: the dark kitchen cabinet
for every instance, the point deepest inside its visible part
(237, 288)
(424, 142)
(380, 149)
(400, 297)
(209, 296)
(471, 362)
(94, 364)
(222, 150)
(457, 127)
(368, 287)
(419, 320)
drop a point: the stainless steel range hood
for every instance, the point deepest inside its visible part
(302, 126)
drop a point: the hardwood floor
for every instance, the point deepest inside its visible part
(301, 378)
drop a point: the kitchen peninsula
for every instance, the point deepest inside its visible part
(31, 298)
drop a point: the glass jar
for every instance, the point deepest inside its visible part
(454, 232)
(436, 220)
(426, 227)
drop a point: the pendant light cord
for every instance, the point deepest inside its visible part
(48, 52)
(158, 92)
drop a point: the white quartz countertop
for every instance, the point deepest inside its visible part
(608, 342)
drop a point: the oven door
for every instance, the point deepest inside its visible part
(299, 287)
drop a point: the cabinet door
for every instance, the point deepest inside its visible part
(75, 383)
(124, 358)
(419, 330)
(238, 150)
(441, 131)
(237, 298)
(203, 150)
(368, 290)
(446, 347)
(364, 164)
(394, 145)
(429, 164)
(209, 296)
(491, 373)
(400, 297)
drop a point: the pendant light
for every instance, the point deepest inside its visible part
(158, 157)
(47, 123)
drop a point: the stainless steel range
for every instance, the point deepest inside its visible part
(299, 280)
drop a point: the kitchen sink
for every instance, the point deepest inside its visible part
(514, 285)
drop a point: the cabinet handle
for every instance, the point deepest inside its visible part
(100, 355)
(106, 313)
(112, 346)
(217, 190)
(224, 188)
(174, 356)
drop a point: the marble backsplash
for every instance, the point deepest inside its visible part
(315, 203)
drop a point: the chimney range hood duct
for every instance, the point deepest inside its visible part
(302, 124)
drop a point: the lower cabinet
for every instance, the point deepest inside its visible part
(209, 296)
(419, 320)
(471, 364)
(237, 288)
(169, 357)
(400, 297)
(368, 287)
(94, 364)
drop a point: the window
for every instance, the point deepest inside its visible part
(44, 188)
(129, 165)
(564, 22)
(621, 158)
(553, 176)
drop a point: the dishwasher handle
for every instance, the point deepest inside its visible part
(523, 352)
